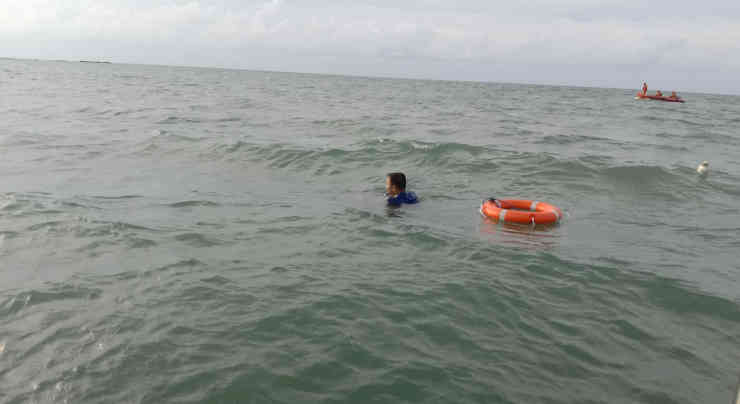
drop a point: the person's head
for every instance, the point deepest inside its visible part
(395, 183)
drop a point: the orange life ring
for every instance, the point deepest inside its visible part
(521, 211)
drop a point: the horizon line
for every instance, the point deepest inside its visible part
(349, 75)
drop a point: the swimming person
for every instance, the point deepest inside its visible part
(395, 190)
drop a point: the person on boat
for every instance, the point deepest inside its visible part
(395, 190)
(644, 88)
(658, 93)
(673, 95)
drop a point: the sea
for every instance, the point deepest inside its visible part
(201, 235)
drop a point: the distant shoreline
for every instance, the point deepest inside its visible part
(382, 77)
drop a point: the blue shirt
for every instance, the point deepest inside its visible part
(403, 197)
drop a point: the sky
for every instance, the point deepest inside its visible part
(673, 45)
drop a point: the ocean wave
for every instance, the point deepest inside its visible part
(19, 139)
(102, 227)
(286, 156)
(336, 123)
(58, 292)
(164, 136)
(164, 143)
(117, 197)
(576, 139)
(193, 203)
(651, 181)
(130, 111)
(502, 312)
(653, 118)
(171, 120)
(194, 239)
(8, 233)
(591, 172)
(100, 233)
(690, 122)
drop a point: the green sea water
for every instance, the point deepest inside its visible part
(202, 235)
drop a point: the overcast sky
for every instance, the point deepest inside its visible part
(673, 45)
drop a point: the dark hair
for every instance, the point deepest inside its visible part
(399, 180)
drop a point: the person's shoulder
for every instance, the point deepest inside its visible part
(404, 197)
(411, 197)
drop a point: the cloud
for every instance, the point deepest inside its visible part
(283, 33)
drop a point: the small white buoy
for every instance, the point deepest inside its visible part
(703, 168)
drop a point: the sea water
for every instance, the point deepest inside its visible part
(175, 234)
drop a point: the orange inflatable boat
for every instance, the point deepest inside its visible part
(641, 96)
(520, 211)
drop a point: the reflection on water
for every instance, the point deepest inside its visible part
(521, 235)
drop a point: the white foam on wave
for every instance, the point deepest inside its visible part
(422, 146)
